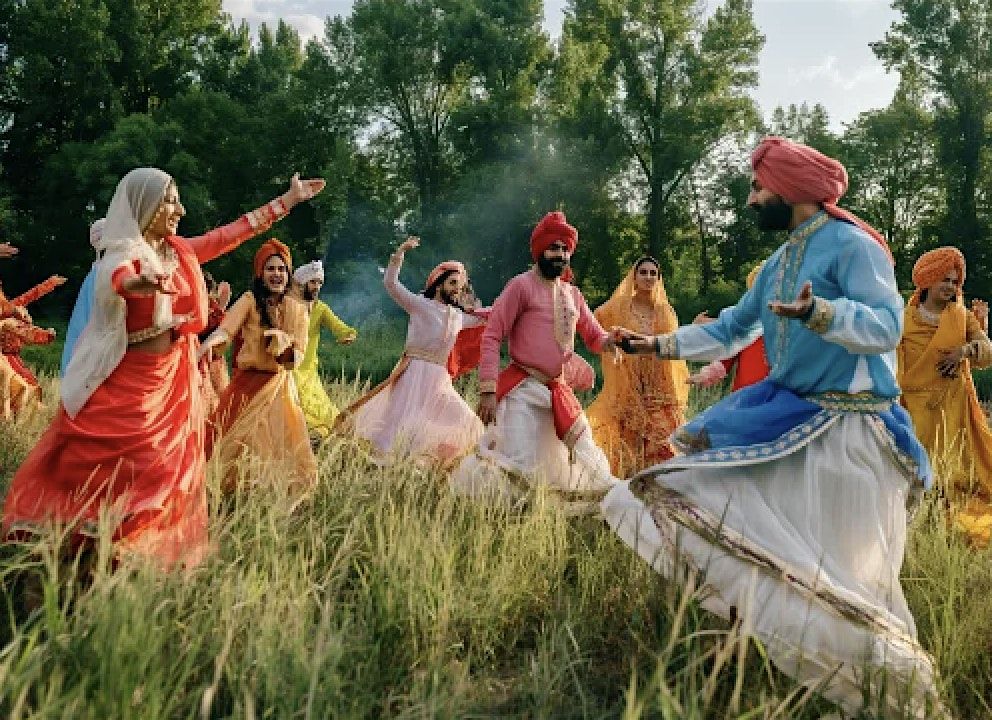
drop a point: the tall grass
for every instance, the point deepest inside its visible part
(387, 596)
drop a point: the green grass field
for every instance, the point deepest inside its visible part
(386, 596)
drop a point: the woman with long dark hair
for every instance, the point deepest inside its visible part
(259, 414)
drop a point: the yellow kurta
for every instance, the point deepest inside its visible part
(267, 421)
(643, 399)
(317, 406)
(946, 415)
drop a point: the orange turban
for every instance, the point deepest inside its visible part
(443, 268)
(801, 174)
(933, 266)
(269, 248)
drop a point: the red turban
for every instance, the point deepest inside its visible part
(443, 268)
(269, 248)
(801, 174)
(552, 227)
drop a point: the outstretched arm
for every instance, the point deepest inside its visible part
(222, 240)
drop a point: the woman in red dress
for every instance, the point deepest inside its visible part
(125, 450)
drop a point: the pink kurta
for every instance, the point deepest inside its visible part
(524, 314)
(419, 414)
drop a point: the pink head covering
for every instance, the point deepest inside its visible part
(801, 174)
(443, 268)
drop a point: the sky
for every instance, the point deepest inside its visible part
(815, 50)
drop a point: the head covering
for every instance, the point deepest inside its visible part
(441, 269)
(269, 248)
(933, 266)
(103, 341)
(553, 226)
(96, 231)
(309, 271)
(801, 174)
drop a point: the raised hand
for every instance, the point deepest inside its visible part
(409, 244)
(7, 250)
(301, 190)
(980, 309)
(797, 309)
(224, 294)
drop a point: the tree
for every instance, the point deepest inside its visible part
(947, 42)
(891, 159)
(672, 83)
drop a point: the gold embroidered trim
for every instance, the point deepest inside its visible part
(666, 346)
(427, 356)
(822, 316)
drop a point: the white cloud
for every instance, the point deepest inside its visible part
(829, 71)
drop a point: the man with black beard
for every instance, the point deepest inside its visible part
(318, 408)
(538, 432)
(790, 495)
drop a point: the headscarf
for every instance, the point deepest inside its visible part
(552, 227)
(801, 174)
(441, 269)
(309, 271)
(269, 248)
(103, 341)
(933, 266)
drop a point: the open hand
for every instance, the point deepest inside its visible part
(702, 319)
(980, 309)
(224, 294)
(301, 190)
(147, 283)
(7, 250)
(797, 309)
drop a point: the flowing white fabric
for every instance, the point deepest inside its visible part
(830, 516)
(523, 443)
(103, 341)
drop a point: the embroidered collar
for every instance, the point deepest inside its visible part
(808, 227)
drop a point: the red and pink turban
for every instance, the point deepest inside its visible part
(552, 227)
(801, 174)
(443, 268)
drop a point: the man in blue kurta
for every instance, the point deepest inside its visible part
(790, 496)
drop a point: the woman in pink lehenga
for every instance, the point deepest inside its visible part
(416, 412)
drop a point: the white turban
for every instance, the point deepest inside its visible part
(311, 271)
(96, 231)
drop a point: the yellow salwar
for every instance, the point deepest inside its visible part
(643, 399)
(318, 409)
(259, 413)
(946, 414)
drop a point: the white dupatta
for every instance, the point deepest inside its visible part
(103, 341)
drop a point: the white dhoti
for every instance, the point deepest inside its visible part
(806, 546)
(521, 450)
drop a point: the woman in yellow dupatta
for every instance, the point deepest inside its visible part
(941, 342)
(643, 399)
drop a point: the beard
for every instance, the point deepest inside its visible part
(551, 267)
(308, 294)
(774, 215)
(447, 298)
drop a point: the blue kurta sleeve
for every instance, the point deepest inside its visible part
(867, 318)
(734, 329)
